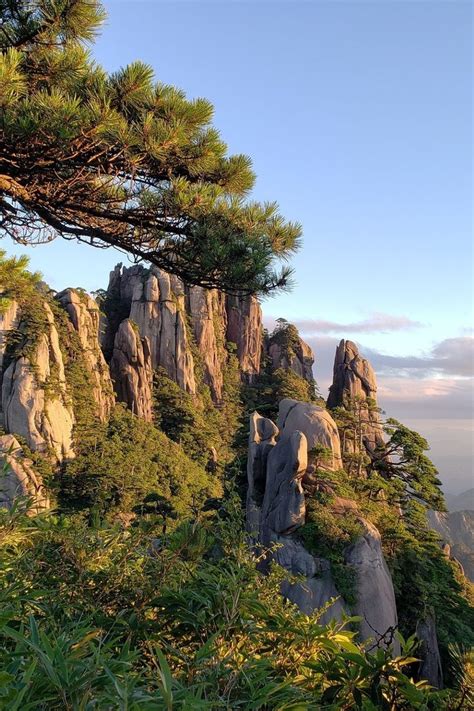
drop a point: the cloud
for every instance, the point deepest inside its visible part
(450, 357)
(376, 323)
(428, 398)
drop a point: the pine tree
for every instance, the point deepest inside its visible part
(122, 160)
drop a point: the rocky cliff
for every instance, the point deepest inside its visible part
(132, 371)
(187, 327)
(64, 357)
(354, 387)
(286, 349)
(84, 317)
(19, 477)
(35, 402)
(282, 481)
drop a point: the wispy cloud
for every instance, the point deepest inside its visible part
(376, 323)
(450, 357)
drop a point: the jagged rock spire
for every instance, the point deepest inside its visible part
(354, 381)
(353, 376)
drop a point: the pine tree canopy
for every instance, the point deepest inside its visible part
(122, 160)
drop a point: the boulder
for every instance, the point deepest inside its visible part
(317, 425)
(18, 477)
(131, 370)
(284, 510)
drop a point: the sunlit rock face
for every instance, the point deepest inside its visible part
(279, 465)
(131, 370)
(354, 380)
(19, 478)
(8, 321)
(184, 322)
(84, 316)
(300, 360)
(317, 425)
(244, 328)
(35, 401)
(208, 319)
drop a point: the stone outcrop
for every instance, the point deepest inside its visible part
(18, 477)
(354, 380)
(179, 320)
(244, 328)
(279, 465)
(374, 588)
(261, 440)
(317, 425)
(430, 665)
(208, 320)
(35, 401)
(84, 316)
(299, 357)
(131, 370)
(8, 321)
(158, 309)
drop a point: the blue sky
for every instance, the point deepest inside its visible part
(357, 116)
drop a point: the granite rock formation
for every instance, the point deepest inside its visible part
(279, 462)
(84, 315)
(35, 400)
(208, 319)
(131, 370)
(19, 478)
(430, 665)
(374, 588)
(298, 357)
(8, 321)
(244, 328)
(179, 320)
(354, 381)
(456, 530)
(316, 424)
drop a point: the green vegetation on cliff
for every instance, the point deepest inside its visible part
(127, 460)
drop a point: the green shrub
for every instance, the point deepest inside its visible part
(129, 459)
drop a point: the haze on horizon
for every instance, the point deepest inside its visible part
(357, 117)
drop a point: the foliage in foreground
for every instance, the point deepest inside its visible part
(101, 617)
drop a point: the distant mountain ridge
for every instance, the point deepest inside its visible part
(460, 502)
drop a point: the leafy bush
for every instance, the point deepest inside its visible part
(127, 460)
(119, 619)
